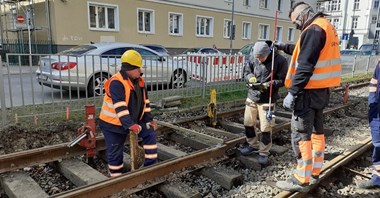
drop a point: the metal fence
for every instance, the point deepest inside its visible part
(62, 84)
(58, 83)
(22, 47)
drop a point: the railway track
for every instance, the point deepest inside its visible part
(207, 145)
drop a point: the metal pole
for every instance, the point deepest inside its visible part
(2, 95)
(232, 24)
(1, 24)
(344, 22)
(28, 22)
(375, 42)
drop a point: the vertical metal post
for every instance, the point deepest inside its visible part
(232, 24)
(2, 95)
(368, 61)
(47, 9)
(203, 75)
(353, 67)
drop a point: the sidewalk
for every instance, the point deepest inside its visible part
(16, 69)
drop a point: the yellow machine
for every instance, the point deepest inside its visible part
(211, 108)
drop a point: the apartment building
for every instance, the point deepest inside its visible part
(176, 24)
(357, 21)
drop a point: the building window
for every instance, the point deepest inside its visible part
(334, 5)
(319, 7)
(335, 22)
(263, 3)
(377, 34)
(246, 3)
(263, 31)
(354, 22)
(378, 24)
(204, 26)
(374, 19)
(145, 21)
(356, 4)
(279, 5)
(103, 17)
(227, 28)
(279, 34)
(175, 24)
(291, 34)
(291, 3)
(247, 30)
(376, 4)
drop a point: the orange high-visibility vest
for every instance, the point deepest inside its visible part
(108, 113)
(327, 71)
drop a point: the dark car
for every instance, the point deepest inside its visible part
(158, 48)
(350, 52)
(247, 50)
(368, 49)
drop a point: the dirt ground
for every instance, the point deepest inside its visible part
(18, 138)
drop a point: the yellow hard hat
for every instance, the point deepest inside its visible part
(132, 57)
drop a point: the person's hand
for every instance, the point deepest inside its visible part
(289, 101)
(153, 124)
(135, 128)
(265, 85)
(252, 80)
(280, 45)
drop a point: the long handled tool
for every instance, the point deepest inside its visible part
(136, 151)
(270, 114)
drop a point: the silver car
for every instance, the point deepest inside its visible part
(87, 67)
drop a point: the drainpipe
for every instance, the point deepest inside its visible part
(47, 7)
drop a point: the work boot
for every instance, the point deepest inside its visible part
(292, 186)
(367, 184)
(314, 180)
(248, 150)
(263, 160)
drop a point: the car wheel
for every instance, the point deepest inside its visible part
(178, 79)
(96, 85)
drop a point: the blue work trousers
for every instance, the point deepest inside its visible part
(375, 132)
(115, 144)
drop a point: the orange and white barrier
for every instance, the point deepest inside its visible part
(216, 68)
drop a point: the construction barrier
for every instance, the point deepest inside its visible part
(216, 68)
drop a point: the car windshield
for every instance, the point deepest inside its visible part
(190, 50)
(246, 49)
(160, 50)
(78, 50)
(366, 48)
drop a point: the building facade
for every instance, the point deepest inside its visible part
(175, 24)
(357, 21)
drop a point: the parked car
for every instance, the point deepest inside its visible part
(368, 49)
(87, 67)
(247, 50)
(350, 52)
(158, 48)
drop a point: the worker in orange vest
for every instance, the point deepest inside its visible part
(126, 108)
(314, 68)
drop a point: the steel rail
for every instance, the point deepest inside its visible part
(134, 178)
(334, 164)
(13, 161)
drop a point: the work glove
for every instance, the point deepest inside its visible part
(252, 80)
(135, 128)
(152, 124)
(265, 85)
(289, 101)
(280, 45)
